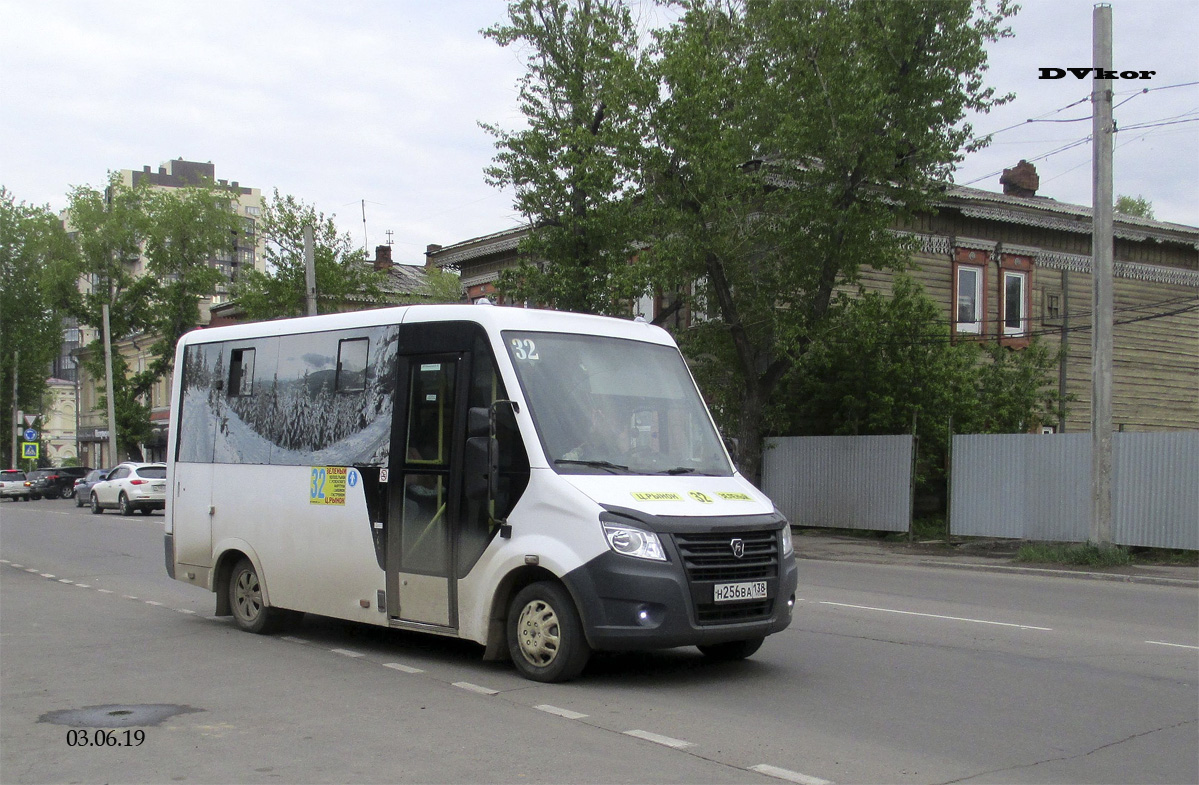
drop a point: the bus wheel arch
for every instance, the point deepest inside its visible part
(497, 621)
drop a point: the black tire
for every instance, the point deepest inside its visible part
(78, 500)
(145, 510)
(732, 650)
(96, 508)
(250, 613)
(545, 635)
(66, 492)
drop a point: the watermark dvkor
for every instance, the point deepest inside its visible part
(1099, 73)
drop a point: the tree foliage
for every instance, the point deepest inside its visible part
(576, 168)
(886, 364)
(174, 233)
(1136, 206)
(37, 275)
(342, 276)
(783, 142)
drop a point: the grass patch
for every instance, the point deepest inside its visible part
(1082, 555)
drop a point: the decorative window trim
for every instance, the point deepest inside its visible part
(975, 326)
(1015, 267)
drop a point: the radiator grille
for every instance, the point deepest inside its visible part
(708, 558)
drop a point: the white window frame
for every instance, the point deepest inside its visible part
(975, 327)
(1022, 328)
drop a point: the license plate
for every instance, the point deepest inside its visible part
(735, 592)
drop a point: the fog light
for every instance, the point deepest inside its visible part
(649, 614)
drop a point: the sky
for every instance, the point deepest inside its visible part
(372, 107)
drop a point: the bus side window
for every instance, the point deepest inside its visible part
(241, 372)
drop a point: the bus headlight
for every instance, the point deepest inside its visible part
(637, 543)
(788, 547)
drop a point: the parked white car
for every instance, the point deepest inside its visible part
(132, 486)
(14, 485)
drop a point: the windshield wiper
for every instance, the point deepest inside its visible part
(686, 470)
(612, 467)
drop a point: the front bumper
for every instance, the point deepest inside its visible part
(628, 603)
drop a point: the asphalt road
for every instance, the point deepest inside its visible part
(889, 674)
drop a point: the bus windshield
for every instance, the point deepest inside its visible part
(615, 406)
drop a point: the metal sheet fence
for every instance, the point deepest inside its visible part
(1039, 488)
(844, 482)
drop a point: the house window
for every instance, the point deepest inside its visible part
(969, 300)
(1015, 303)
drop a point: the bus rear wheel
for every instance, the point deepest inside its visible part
(245, 599)
(545, 635)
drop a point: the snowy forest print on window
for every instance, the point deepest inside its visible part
(300, 412)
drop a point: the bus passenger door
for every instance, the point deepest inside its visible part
(424, 500)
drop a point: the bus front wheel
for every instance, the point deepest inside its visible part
(245, 599)
(545, 634)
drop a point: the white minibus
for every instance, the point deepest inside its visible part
(545, 484)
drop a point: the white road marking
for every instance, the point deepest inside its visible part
(151, 602)
(395, 666)
(347, 653)
(184, 610)
(938, 616)
(104, 591)
(18, 566)
(678, 744)
(466, 685)
(788, 775)
(83, 585)
(48, 575)
(567, 713)
(293, 639)
(64, 580)
(5, 561)
(128, 597)
(1178, 645)
(32, 569)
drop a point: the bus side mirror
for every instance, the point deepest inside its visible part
(493, 462)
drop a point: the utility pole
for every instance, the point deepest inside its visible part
(112, 416)
(1102, 265)
(16, 413)
(310, 270)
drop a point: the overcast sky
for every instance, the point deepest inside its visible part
(379, 102)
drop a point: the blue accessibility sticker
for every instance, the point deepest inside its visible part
(352, 478)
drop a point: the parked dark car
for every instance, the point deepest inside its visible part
(83, 486)
(56, 483)
(36, 477)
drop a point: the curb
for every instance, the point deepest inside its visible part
(1044, 572)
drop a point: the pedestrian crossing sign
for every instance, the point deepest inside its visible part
(29, 449)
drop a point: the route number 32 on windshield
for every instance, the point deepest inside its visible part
(524, 349)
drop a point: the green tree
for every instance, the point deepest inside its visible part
(38, 268)
(342, 275)
(886, 363)
(794, 136)
(576, 167)
(172, 233)
(1136, 206)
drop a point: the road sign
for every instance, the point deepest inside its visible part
(29, 449)
(30, 435)
(29, 418)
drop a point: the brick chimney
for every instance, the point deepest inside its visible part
(1020, 180)
(430, 249)
(383, 257)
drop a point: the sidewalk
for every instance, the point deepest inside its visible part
(985, 555)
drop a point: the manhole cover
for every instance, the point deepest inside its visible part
(117, 715)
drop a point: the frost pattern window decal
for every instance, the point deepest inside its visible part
(295, 415)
